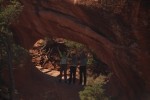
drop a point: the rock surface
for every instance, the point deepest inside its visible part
(116, 31)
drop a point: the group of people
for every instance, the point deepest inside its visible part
(75, 60)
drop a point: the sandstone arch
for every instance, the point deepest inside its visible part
(120, 39)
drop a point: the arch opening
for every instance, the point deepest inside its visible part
(45, 55)
(46, 58)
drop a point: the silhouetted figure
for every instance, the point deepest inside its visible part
(73, 67)
(82, 68)
(63, 65)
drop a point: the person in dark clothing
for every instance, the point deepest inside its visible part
(73, 67)
(63, 65)
(82, 68)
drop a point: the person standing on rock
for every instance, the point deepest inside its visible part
(73, 67)
(82, 68)
(63, 65)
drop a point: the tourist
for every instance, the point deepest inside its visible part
(82, 68)
(63, 65)
(73, 67)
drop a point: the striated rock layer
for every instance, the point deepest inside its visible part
(117, 31)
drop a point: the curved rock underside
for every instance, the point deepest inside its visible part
(117, 32)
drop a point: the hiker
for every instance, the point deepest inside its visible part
(63, 65)
(82, 68)
(73, 67)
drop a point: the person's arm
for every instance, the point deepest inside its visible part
(59, 52)
(68, 54)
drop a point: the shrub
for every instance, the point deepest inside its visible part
(94, 89)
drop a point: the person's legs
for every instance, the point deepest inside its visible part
(71, 72)
(74, 74)
(65, 73)
(60, 77)
(80, 71)
(84, 73)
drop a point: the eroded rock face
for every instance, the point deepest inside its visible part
(119, 35)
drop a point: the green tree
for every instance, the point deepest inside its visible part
(9, 12)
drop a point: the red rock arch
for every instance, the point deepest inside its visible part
(120, 39)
